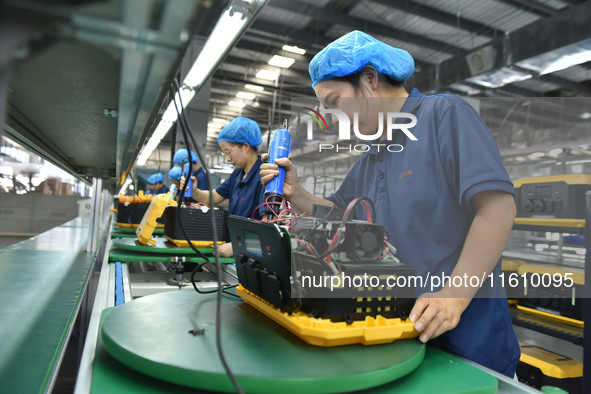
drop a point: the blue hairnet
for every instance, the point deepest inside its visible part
(182, 157)
(241, 130)
(353, 51)
(175, 173)
(155, 178)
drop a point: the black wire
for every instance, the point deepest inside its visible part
(185, 124)
(182, 194)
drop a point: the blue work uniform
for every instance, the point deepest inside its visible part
(422, 197)
(202, 181)
(243, 194)
(162, 190)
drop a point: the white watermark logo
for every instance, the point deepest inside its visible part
(345, 130)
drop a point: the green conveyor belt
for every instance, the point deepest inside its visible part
(42, 282)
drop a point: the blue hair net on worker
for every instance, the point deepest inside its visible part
(353, 51)
(182, 157)
(155, 178)
(241, 130)
(175, 173)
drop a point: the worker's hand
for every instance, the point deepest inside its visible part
(182, 184)
(436, 313)
(225, 250)
(270, 171)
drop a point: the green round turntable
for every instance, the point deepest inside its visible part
(153, 335)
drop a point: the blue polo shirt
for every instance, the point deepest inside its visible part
(162, 190)
(422, 197)
(202, 181)
(243, 194)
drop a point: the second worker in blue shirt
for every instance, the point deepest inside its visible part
(238, 141)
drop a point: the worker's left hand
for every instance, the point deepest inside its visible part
(436, 313)
(225, 250)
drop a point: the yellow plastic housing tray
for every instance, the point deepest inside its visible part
(552, 316)
(148, 223)
(198, 244)
(323, 332)
(139, 198)
(551, 364)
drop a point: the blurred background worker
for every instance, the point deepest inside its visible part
(238, 141)
(156, 185)
(174, 175)
(181, 157)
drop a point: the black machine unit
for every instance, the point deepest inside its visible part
(552, 197)
(267, 267)
(539, 367)
(132, 213)
(197, 224)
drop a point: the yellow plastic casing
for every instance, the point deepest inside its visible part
(551, 364)
(323, 332)
(148, 224)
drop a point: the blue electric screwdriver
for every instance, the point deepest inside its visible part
(279, 148)
(188, 196)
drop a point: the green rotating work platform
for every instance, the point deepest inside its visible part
(263, 356)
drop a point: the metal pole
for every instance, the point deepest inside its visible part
(94, 214)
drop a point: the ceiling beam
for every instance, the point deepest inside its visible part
(450, 19)
(556, 31)
(327, 15)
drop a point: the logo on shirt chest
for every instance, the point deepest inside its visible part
(404, 174)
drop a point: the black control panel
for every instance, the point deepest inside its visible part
(551, 200)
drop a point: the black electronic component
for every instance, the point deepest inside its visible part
(267, 267)
(551, 197)
(132, 213)
(197, 224)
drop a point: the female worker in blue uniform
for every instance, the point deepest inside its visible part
(443, 196)
(175, 176)
(156, 184)
(238, 141)
(181, 157)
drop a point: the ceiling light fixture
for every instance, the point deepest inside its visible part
(246, 95)
(267, 74)
(256, 88)
(281, 61)
(228, 29)
(294, 49)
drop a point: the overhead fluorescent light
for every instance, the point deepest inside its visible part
(226, 32)
(559, 59)
(499, 77)
(237, 104)
(219, 120)
(256, 88)
(214, 125)
(585, 115)
(281, 61)
(267, 74)
(170, 115)
(536, 155)
(246, 95)
(125, 185)
(470, 91)
(154, 141)
(294, 49)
